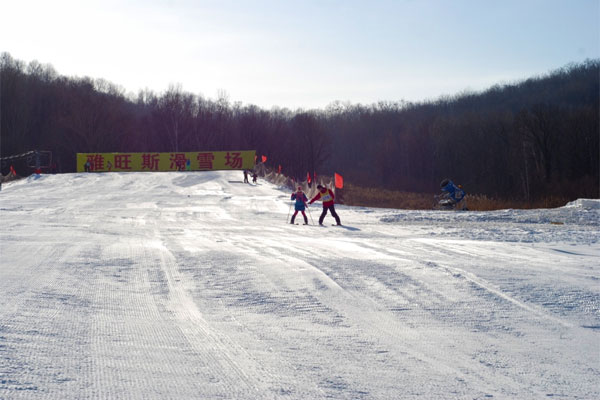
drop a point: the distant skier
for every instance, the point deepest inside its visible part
(254, 177)
(246, 176)
(327, 197)
(300, 205)
(87, 166)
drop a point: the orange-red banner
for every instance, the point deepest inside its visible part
(339, 181)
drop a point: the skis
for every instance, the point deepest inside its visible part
(350, 228)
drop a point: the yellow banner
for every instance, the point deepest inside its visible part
(194, 161)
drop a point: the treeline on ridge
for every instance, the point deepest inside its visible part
(525, 140)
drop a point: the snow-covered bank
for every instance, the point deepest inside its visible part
(192, 285)
(576, 223)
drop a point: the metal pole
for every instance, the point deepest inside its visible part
(289, 210)
(309, 213)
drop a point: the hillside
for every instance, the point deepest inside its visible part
(525, 141)
(193, 285)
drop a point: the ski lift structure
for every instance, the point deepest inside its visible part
(31, 161)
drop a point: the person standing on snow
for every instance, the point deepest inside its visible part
(300, 205)
(327, 197)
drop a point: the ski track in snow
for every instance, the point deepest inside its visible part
(192, 285)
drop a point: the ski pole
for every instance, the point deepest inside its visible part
(289, 211)
(309, 213)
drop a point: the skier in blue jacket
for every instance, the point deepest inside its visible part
(300, 205)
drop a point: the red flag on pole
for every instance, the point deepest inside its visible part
(339, 181)
(264, 158)
(308, 178)
(279, 170)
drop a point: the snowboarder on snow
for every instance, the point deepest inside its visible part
(254, 176)
(327, 197)
(300, 205)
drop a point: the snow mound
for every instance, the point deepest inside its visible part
(577, 222)
(586, 204)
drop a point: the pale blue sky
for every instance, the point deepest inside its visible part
(303, 54)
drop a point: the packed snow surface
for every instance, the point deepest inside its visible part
(194, 286)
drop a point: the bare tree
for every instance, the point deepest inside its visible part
(174, 112)
(312, 140)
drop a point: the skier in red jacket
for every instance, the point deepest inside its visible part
(327, 197)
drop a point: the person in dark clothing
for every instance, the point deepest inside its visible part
(327, 197)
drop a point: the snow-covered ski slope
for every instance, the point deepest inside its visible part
(192, 286)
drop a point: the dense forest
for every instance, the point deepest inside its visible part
(524, 140)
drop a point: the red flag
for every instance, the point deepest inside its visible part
(279, 171)
(308, 177)
(339, 181)
(264, 158)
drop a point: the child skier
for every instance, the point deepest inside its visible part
(300, 205)
(327, 197)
